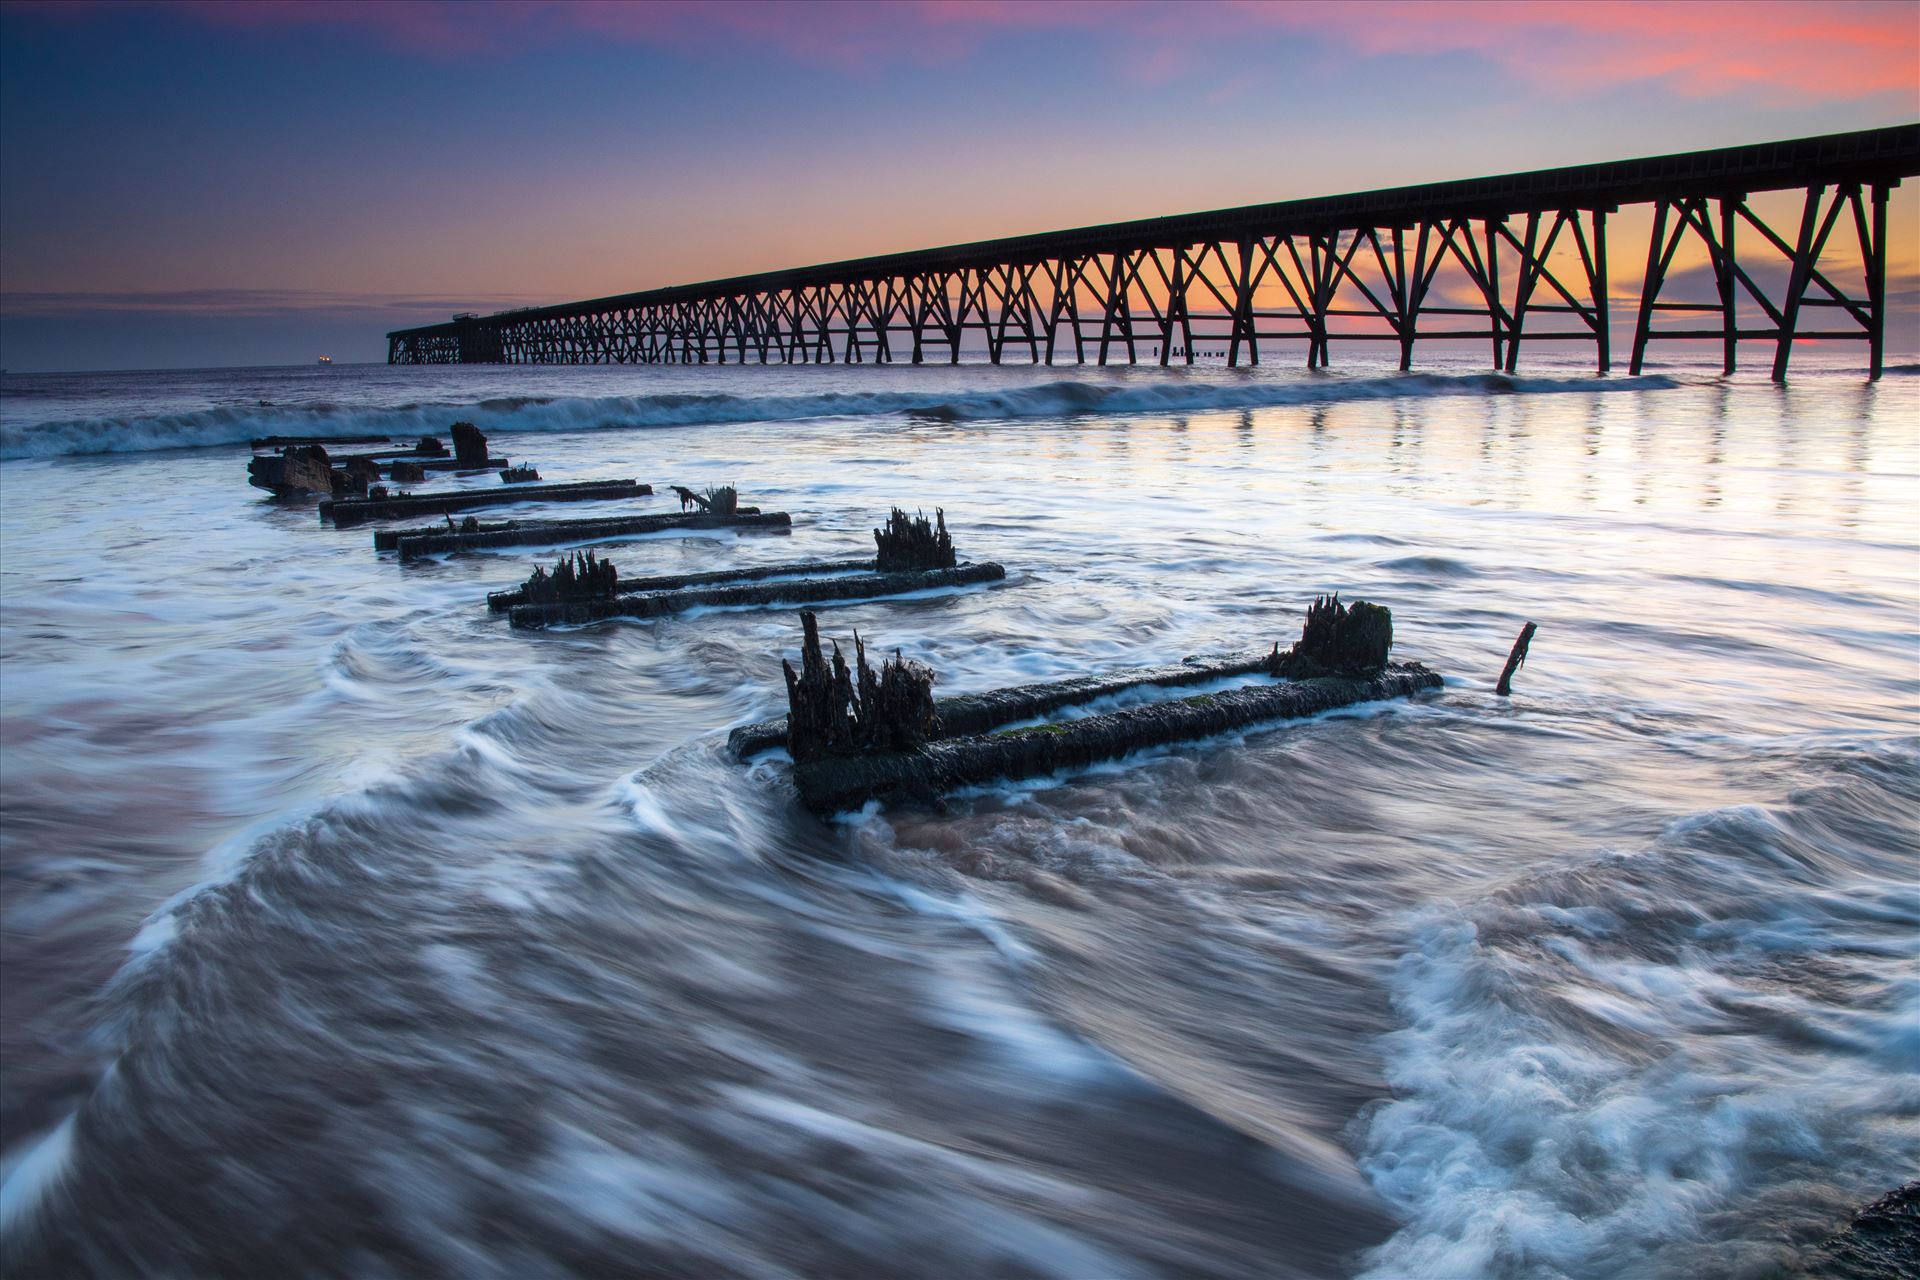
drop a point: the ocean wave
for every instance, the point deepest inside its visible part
(1626, 1066)
(530, 413)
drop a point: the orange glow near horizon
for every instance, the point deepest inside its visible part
(662, 142)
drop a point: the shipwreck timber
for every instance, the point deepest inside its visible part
(426, 463)
(835, 783)
(855, 737)
(904, 544)
(910, 554)
(501, 601)
(390, 539)
(975, 713)
(867, 586)
(429, 453)
(721, 501)
(357, 511)
(413, 544)
(293, 472)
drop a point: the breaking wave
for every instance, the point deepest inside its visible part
(1065, 398)
(1635, 1066)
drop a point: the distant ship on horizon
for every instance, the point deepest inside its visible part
(326, 359)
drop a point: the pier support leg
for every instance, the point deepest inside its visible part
(1658, 255)
(1730, 324)
(1523, 289)
(1243, 311)
(1603, 314)
(1803, 255)
(1876, 262)
(1493, 294)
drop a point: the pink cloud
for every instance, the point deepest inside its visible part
(1779, 50)
(1788, 49)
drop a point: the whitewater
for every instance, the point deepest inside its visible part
(346, 931)
(139, 418)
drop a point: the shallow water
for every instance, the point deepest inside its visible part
(346, 931)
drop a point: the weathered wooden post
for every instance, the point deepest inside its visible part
(469, 445)
(1515, 660)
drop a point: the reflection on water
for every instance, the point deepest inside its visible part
(347, 931)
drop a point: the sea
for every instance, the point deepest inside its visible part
(347, 932)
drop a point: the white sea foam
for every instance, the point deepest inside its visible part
(516, 936)
(1064, 398)
(27, 1180)
(1699, 1080)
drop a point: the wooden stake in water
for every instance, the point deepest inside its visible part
(1515, 660)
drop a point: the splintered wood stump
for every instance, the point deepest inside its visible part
(983, 712)
(297, 470)
(580, 576)
(723, 501)
(469, 444)
(415, 543)
(837, 709)
(357, 511)
(910, 542)
(834, 783)
(800, 591)
(501, 601)
(1337, 639)
(360, 472)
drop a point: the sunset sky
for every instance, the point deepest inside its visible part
(226, 183)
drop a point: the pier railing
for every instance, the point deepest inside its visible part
(1510, 260)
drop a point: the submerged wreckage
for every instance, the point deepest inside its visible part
(302, 467)
(911, 554)
(347, 512)
(476, 535)
(856, 736)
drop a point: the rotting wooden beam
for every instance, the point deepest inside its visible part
(385, 463)
(855, 737)
(973, 713)
(389, 539)
(870, 586)
(833, 784)
(501, 601)
(350, 512)
(387, 455)
(413, 544)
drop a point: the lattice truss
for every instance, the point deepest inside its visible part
(1488, 260)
